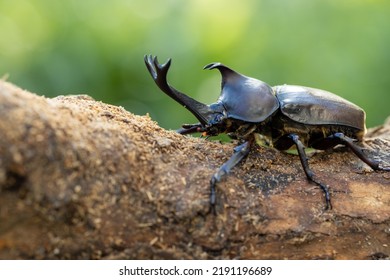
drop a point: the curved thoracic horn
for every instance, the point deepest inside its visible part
(159, 74)
(220, 66)
(245, 98)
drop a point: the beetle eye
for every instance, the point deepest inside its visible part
(217, 118)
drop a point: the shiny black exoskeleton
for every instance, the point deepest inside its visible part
(285, 115)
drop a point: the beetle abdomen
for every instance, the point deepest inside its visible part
(318, 107)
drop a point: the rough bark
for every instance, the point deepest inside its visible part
(80, 179)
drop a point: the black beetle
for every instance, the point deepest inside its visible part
(286, 115)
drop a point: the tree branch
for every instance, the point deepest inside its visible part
(83, 179)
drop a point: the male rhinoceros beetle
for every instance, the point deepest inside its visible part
(286, 115)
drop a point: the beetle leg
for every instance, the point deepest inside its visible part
(309, 173)
(358, 151)
(190, 128)
(240, 152)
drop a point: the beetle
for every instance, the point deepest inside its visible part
(286, 115)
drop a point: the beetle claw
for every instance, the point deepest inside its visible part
(384, 169)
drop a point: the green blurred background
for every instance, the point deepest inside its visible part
(96, 47)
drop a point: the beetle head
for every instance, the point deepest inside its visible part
(244, 98)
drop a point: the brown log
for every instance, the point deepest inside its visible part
(80, 179)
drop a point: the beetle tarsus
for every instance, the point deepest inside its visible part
(212, 195)
(325, 189)
(309, 173)
(240, 152)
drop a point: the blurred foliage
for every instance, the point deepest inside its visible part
(96, 47)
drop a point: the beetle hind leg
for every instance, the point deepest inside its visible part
(240, 152)
(309, 173)
(350, 143)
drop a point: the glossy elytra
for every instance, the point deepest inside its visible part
(286, 115)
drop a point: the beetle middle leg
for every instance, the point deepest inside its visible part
(309, 173)
(240, 152)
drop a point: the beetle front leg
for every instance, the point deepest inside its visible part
(190, 128)
(240, 152)
(309, 173)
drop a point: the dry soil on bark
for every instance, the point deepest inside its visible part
(80, 179)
